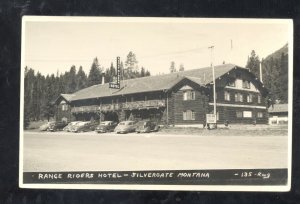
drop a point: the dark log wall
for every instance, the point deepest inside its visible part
(60, 114)
(199, 106)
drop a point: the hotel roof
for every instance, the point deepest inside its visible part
(201, 76)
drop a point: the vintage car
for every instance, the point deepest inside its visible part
(106, 126)
(45, 126)
(84, 126)
(70, 125)
(146, 126)
(125, 127)
(56, 126)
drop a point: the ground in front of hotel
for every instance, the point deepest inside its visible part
(170, 149)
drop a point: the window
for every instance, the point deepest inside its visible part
(145, 98)
(188, 95)
(232, 84)
(246, 84)
(64, 107)
(238, 97)
(239, 114)
(132, 99)
(226, 96)
(249, 98)
(247, 114)
(258, 99)
(260, 115)
(189, 115)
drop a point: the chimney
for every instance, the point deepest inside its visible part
(103, 79)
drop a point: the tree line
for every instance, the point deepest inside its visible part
(274, 73)
(41, 91)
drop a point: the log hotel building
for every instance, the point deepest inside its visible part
(180, 98)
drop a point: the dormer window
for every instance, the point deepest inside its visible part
(231, 84)
(246, 84)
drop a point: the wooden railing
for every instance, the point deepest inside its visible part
(144, 104)
(118, 106)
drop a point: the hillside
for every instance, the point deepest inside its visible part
(277, 54)
(275, 74)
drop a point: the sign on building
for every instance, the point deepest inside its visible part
(116, 84)
(211, 118)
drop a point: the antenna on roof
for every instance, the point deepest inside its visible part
(230, 53)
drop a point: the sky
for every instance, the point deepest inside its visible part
(55, 44)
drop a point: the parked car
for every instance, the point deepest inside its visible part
(45, 126)
(70, 125)
(125, 127)
(84, 126)
(146, 126)
(106, 126)
(56, 126)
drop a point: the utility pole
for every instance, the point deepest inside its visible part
(214, 81)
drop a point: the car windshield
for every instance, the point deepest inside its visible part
(105, 123)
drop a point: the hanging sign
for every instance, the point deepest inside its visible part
(116, 84)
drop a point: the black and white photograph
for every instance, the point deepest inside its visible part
(156, 103)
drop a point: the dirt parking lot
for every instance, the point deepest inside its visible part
(165, 150)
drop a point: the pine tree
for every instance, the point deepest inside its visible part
(143, 73)
(95, 73)
(253, 63)
(72, 82)
(147, 73)
(181, 68)
(81, 79)
(131, 65)
(48, 109)
(172, 67)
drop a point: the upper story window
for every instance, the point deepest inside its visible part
(189, 95)
(246, 84)
(249, 98)
(64, 107)
(226, 96)
(238, 97)
(259, 99)
(231, 84)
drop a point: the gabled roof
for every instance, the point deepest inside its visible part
(200, 76)
(278, 108)
(66, 97)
